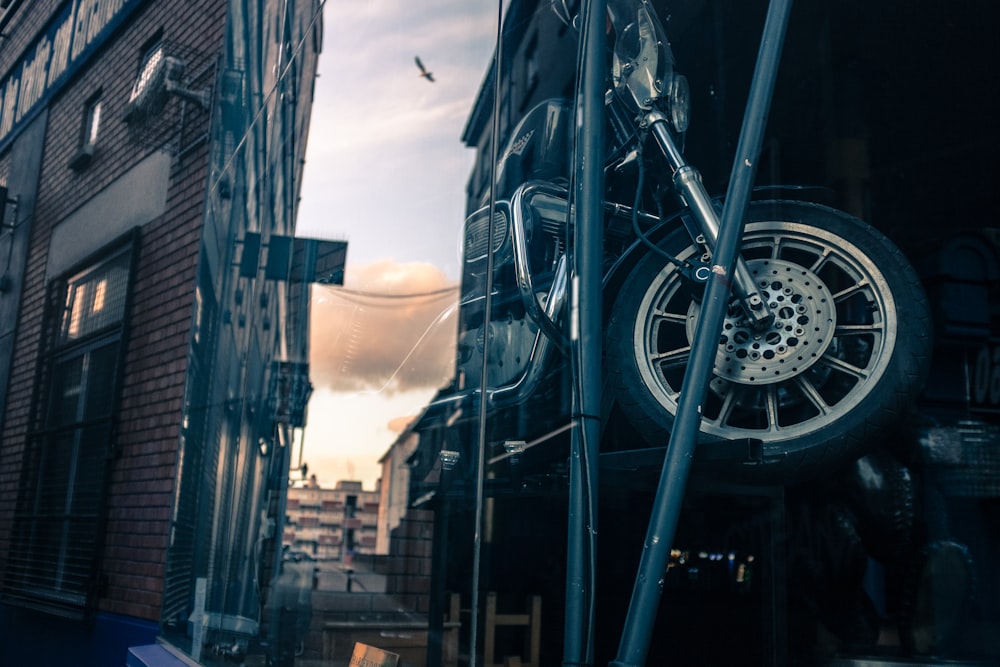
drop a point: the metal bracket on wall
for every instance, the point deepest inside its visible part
(4, 200)
(5, 280)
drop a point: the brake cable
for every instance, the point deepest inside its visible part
(684, 267)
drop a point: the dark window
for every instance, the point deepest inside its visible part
(58, 525)
(89, 129)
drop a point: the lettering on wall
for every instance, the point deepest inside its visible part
(70, 36)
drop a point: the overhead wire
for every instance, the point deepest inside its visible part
(443, 315)
(343, 291)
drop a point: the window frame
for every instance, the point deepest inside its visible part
(90, 127)
(40, 572)
(153, 53)
(144, 100)
(90, 130)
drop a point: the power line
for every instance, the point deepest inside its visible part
(381, 295)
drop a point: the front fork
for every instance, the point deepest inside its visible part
(687, 182)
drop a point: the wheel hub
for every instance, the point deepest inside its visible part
(803, 326)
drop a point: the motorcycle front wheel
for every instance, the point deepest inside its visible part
(839, 366)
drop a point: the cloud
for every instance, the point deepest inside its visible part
(371, 337)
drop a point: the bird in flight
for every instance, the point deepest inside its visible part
(423, 70)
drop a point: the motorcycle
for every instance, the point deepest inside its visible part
(826, 339)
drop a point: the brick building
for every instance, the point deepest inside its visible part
(327, 524)
(153, 310)
(394, 484)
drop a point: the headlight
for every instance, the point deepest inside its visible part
(679, 95)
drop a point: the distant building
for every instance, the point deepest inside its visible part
(153, 319)
(394, 486)
(329, 524)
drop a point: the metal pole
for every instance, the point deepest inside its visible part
(439, 567)
(641, 616)
(585, 339)
(480, 465)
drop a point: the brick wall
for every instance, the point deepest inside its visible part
(407, 571)
(157, 340)
(408, 565)
(17, 409)
(141, 495)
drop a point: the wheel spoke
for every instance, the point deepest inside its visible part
(858, 329)
(821, 259)
(772, 407)
(860, 286)
(673, 357)
(839, 364)
(674, 318)
(728, 403)
(776, 246)
(812, 394)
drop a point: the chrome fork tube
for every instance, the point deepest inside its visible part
(687, 181)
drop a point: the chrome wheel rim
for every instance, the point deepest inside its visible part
(831, 301)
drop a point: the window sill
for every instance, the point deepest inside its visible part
(83, 157)
(161, 654)
(71, 607)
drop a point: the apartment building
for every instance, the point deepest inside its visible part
(331, 524)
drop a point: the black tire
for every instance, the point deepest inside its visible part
(794, 401)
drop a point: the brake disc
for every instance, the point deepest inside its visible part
(804, 321)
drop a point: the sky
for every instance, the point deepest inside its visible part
(386, 171)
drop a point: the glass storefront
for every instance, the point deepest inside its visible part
(544, 297)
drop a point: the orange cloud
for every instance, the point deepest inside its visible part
(390, 328)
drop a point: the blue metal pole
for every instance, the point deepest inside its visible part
(648, 588)
(586, 339)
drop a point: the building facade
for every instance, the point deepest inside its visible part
(394, 486)
(154, 308)
(331, 524)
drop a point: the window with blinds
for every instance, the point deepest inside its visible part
(58, 525)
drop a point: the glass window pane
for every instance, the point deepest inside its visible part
(102, 369)
(96, 299)
(67, 389)
(93, 122)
